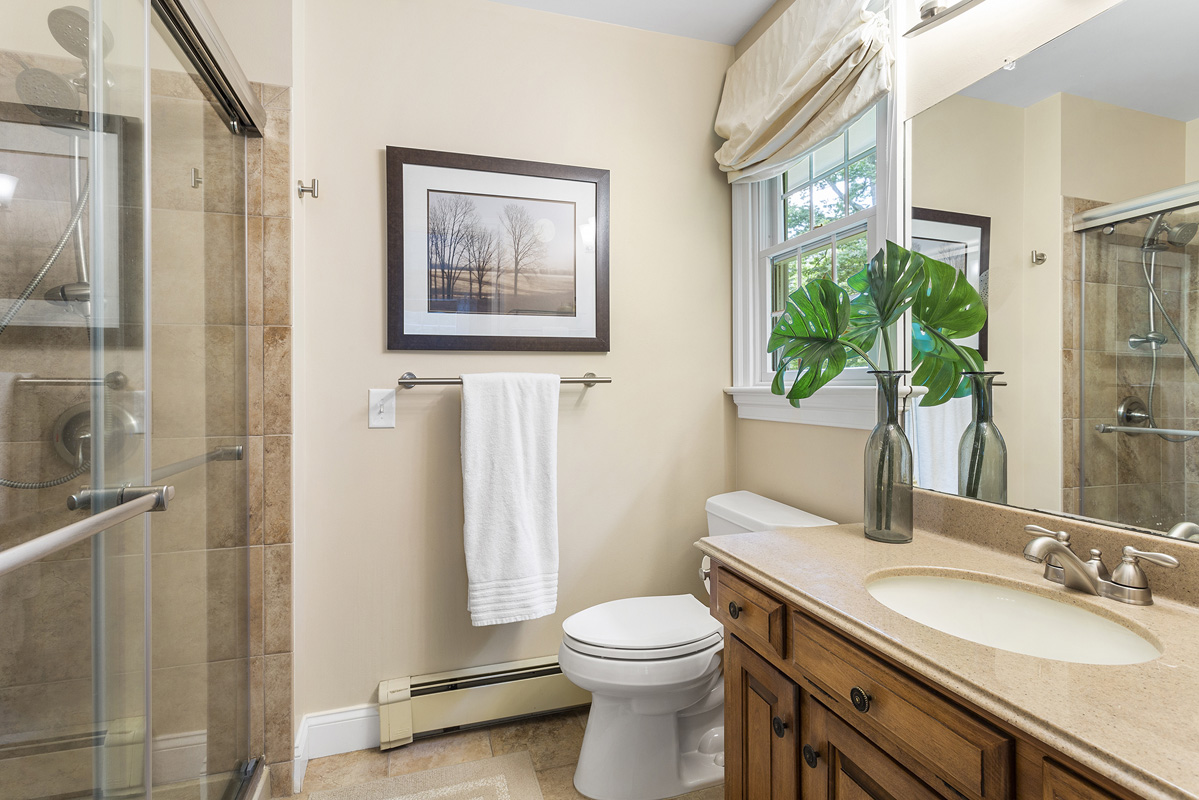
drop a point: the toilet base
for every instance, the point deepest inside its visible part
(630, 755)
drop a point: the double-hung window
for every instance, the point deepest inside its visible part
(819, 219)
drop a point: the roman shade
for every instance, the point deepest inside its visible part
(812, 72)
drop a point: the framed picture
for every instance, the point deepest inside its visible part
(962, 241)
(495, 254)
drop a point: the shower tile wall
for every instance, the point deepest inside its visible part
(270, 426)
(1136, 480)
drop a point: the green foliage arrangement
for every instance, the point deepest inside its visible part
(822, 324)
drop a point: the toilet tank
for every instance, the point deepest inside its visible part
(741, 512)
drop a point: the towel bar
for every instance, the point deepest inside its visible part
(410, 381)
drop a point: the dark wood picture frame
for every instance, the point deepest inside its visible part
(983, 225)
(397, 339)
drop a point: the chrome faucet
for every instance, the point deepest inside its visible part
(1128, 584)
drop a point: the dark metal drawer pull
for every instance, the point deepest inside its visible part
(860, 699)
(734, 610)
(780, 727)
(810, 756)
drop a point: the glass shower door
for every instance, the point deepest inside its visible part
(73, 671)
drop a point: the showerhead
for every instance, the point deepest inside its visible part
(71, 28)
(1177, 235)
(48, 95)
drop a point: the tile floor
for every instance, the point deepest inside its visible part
(552, 742)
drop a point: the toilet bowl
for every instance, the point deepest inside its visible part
(653, 667)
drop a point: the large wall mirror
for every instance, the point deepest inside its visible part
(1080, 156)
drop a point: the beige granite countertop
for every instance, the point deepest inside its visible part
(1135, 724)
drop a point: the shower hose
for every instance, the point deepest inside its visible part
(1150, 269)
(83, 464)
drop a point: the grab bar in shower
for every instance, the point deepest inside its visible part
(140, 499)
(410, 381)
(113, 380)
(234, 453)
(1104, 428)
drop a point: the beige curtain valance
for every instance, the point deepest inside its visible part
(818, 67)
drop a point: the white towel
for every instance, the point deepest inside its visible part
(939, 432)
(510, 495)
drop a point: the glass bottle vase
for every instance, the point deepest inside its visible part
(888, 461)
(982, 453)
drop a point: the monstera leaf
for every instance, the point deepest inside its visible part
(887, 287)
(808, 337)
(947, 307)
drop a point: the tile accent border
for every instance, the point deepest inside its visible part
(268, 228)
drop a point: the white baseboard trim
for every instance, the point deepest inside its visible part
(330, 733)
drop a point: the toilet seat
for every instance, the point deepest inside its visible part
(643, 653)
(642, 628)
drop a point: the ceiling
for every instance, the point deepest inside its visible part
(722, 21)
(1140, 54)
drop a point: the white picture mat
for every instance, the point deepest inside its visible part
(969, 235)
(418, 180)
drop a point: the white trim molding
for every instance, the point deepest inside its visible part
(832, 406)
(331, 733)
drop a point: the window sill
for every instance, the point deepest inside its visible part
(844, 406)
(832, 406)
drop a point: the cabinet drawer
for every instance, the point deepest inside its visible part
(1062, 784)
(967, 754)
(755, 617)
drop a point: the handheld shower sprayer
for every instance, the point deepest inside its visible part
(1178, 235)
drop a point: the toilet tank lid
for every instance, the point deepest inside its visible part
(757, 513)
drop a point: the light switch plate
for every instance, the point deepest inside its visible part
(381, 408)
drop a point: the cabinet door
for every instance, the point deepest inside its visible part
(761, 727)
(1061, 784)
(842, 765)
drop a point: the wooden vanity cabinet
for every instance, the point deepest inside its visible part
(761, 727)
(811, 714)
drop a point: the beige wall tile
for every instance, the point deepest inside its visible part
(277, 682)
(276, 457)
(180, 602)
(176, 147)
(257, 714)
(254, 270)
(276, 271)
(277, 599)
(1070, 300)
(254, 478)
(276, 164)
(228, 707)
(224, 279)
(185, 526)
(276, 96)
(224, 166)
(281, 779)
(1070, 384)
(179, 397)
(227, 497)
(224, 380)
(254, 336)
(45, 625)
(1070, 454)
(180, 699)
(227, 600)
(276, 380)
(178, 286)
(255, 598)
(254, 176)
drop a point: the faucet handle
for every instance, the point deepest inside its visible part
(1096, 565)
(1061, 536)
(1130, 574)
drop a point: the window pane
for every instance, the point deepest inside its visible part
(818, 264)
(828, 199)
(862, 134)
(784, 280)
(852, 255)
(862, 179)
(828, 156)
(798, 175)
(797, 213)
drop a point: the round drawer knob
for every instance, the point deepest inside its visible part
(860, 699)
(780, 727)
(810, 756)
(734, 610)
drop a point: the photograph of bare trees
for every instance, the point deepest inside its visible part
(491, 254)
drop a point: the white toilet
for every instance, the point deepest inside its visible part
(653, 667)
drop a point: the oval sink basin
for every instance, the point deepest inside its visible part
(1010, 619)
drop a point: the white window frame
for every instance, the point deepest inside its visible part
(847, 401)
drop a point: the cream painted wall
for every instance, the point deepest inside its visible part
(943, 61)
(968, 157)
(259, 33)
(1192, 151)
(380, 576)
(812, 467)
(1111, 153)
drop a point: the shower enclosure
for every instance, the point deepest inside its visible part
(1139, 388)
(123, 533)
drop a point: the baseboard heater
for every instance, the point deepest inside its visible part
(429, 704)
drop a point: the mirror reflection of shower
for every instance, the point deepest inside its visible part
(60, 102)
